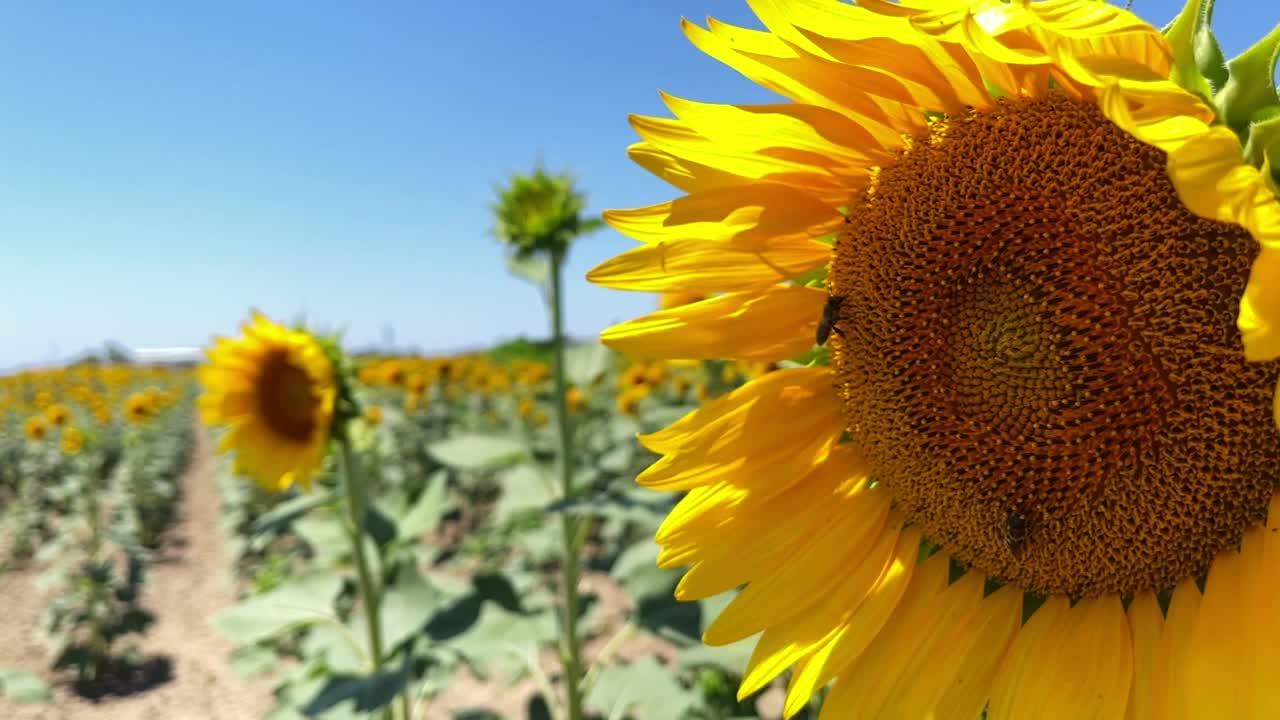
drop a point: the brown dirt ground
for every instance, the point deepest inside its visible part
(185, 589)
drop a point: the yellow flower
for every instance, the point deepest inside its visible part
(275, 387)
(36, 428)
(629, 399)
(57, 414)
(44, 399)
(416, 384)
(574, 400)
(139, 407)
(373, 415)
(72, 441)
(525, 407)
(635, 374)
(1053, 356)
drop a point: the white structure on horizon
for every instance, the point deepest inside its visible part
(167, 354)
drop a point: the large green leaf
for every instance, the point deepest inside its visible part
(325, 532)
(407, 606)
(302, 600)
(424, 515)
(469, 451)
(501, 641)
(524, 489)
(643, 689)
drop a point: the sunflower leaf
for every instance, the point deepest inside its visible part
(1251, 89)
(1182, 33)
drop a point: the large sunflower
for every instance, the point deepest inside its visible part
(275, 388)
(1038, 471)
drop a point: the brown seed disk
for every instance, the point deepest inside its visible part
(286, 400)
(1034, 324)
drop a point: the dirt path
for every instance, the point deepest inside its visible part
(184, 590)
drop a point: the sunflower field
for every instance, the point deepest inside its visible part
(959, 399)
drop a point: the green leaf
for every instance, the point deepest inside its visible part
(586, 362)
(253, 660)
(302, 600)
(466, 451)
(282, 515)
(424, 515)
(500, 641)
(369, 692)
(1251, 87)
(325, 533)
(524, 490)
(407, 606)
(533, 268)
(643, 689)
(1183, 34)
(342, 648)
(23, 686)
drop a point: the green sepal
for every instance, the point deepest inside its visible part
(1251, 88)
(1197, 60)
(1262, 148)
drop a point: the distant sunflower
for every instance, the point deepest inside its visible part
(36, 428)
(139, 408)
(1052, 364)
(275, 388)
(72, 441)
(57, 414)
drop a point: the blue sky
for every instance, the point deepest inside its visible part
(166, 166)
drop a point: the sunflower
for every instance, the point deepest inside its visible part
(72, 441)
(1052, 318)
(373, 415)
(139, 407)
(57, 414)
(36, 428)
(275, 388)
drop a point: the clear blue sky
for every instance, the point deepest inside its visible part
(166, 166)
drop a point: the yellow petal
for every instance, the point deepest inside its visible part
(752, 216)
(769, 325)
(1021, 675)
(769, 433)
(1169, 680)
(806, 575)
(865, 686)
(856, 632)
(783, 645)
(1146, 621)
(709, 267)
(1218, 655)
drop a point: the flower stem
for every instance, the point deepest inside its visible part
(572, 651)
(369, 594)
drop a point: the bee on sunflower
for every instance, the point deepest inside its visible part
(1055, 234)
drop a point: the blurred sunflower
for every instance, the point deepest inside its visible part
(1052, 371)
(138, 408)
(373, 415)
(36, 428)
(57, 414)
(72, 441)
(275, 388)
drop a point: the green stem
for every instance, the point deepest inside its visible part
(369, 594)
(572, 651)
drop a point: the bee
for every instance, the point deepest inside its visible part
(1016, 530)
(830, 316)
